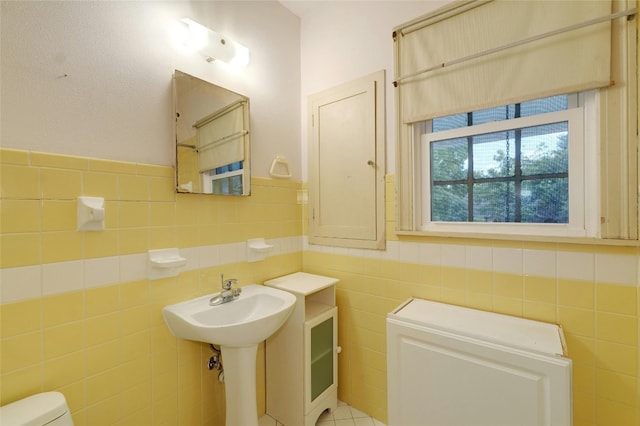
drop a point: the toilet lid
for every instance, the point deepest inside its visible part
(35, 410)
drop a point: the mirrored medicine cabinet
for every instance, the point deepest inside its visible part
(212, 138)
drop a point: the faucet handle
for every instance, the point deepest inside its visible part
(228, 283)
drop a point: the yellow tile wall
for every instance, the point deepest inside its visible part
(600, 321)
(603, 345)
(107, 348)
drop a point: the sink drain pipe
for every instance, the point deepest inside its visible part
(216, 362)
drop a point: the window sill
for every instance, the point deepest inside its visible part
(523, 237)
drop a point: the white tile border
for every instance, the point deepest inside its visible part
(208, 256)
(133, 267)
(409, 252)
(609, 268)
(507, 260)
(62, 277)
(540, 263)
(616, 268)
(29, 282)
(479, 258)
(576, 266)
(20, 283)
(101, 271)
(192, 254)
(454, 255)
(431, 254)
(392, 252)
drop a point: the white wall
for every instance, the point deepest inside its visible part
(94, 78)
(344, 40)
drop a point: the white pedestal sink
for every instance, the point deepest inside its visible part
(238, 327)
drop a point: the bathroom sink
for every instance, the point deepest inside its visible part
(255, 315)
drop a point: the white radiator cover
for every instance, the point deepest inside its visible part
(453, 366)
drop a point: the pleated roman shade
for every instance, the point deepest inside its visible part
(221, 136)
(462, 49)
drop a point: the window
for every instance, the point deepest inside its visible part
(225, 180)
(475, 54)
(513, 169)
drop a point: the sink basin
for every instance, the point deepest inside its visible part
(255, 315)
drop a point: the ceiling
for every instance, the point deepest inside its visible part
(302, 8)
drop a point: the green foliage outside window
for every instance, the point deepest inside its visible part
(518, 175)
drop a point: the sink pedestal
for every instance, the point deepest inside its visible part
(240, 385)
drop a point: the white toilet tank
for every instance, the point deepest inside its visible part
(43, 409)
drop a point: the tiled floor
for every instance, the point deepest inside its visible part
(344, 415)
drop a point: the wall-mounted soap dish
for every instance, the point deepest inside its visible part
(257, 248)
(165, 263)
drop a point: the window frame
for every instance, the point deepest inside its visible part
(581, 116)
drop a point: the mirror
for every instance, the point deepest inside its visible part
(212, 138)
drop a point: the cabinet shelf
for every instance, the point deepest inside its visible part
(314, 309)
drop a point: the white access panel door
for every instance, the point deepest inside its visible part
(446, 377)
(347, 165)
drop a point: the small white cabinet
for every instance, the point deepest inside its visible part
(302, 363)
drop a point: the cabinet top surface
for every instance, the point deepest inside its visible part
(302, 283)
(502, 329)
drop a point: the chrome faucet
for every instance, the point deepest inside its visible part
(228, 293)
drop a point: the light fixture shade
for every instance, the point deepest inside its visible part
(215, 46)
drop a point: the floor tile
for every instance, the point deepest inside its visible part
(344, 422)
(357, 413)
(342, 412)
(343, 415)
(266, 421)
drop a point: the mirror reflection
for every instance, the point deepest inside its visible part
(212, 138)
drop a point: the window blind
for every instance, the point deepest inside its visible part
(565, 62)
(221, 136)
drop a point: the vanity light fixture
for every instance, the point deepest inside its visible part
(215, 46)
